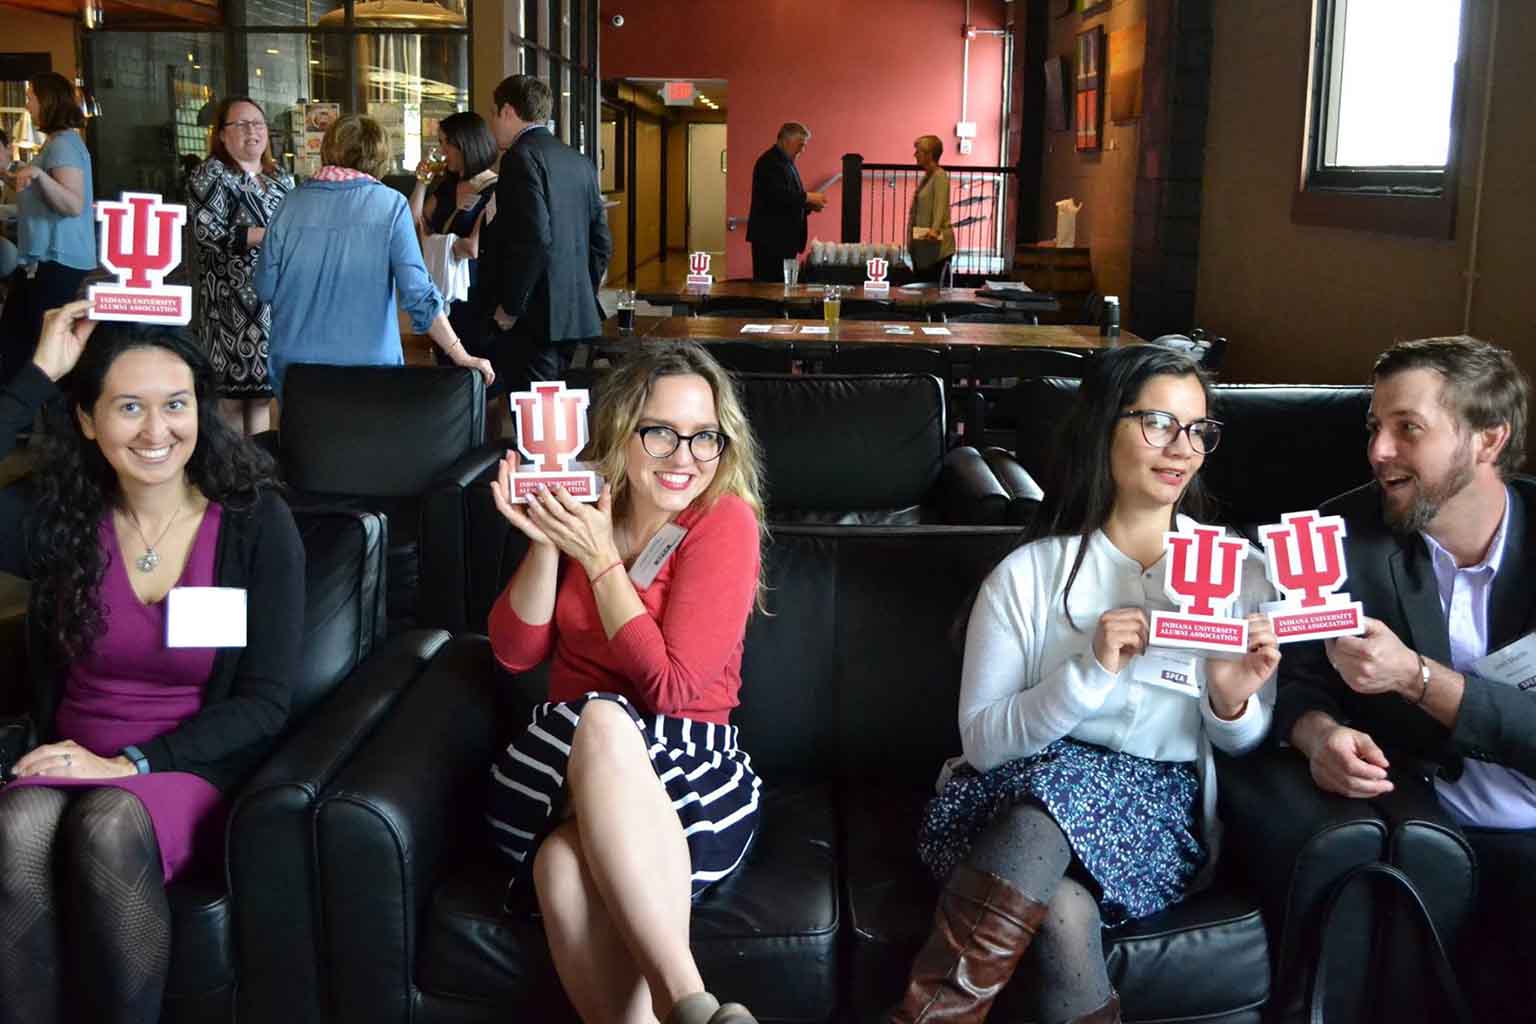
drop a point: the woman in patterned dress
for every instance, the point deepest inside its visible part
(1086, 795)
(233, 196)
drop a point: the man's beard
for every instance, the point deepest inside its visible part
(1430, 497)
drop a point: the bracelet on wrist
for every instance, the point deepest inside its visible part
(1423, 681)
(605, 571)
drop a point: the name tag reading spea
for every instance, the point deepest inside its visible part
(1170, 670)
(205, 617)
(656, 553)
(1513, 665)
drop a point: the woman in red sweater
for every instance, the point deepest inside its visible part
(627, 795)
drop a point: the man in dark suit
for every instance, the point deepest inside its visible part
(549, 242)
(1442, 554)
(776, 227)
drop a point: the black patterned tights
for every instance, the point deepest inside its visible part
(1024, 845)
(81, 896)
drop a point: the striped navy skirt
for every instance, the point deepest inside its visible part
(706, 775)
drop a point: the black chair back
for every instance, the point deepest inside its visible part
(377, 431)
(745, 305)
(889, 359)
(753, 356)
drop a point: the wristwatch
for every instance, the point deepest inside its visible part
(135, 755)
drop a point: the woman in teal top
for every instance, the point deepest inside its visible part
(55, 220)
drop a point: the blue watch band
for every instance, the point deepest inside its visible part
(140, 762)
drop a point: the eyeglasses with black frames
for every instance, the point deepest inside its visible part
(661, 442)
(1160, 429)
(248, 127)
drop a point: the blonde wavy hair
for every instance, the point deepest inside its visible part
(623, 397)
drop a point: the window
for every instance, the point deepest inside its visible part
(1383, 126)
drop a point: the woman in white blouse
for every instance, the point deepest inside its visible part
(1086, 796)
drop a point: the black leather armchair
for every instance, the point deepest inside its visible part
(402, 440)
(849, 691)
(254, 923)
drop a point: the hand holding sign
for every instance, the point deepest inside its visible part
(1121, 635)
(1232, 683)
(63, 337)
(1376, 661)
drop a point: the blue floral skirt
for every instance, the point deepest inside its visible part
(1131, 822)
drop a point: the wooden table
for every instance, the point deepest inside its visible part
(811, 294)
(869, 332)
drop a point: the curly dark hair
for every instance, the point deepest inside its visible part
(76, 486)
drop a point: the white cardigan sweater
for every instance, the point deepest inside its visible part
(1030, 678)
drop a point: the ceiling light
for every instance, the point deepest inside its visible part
(313, 61)
(197, 67)
(189, 58)
(273, 52)
(258, 72)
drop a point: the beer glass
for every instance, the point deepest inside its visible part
(626, 309)
(791, 272)
(832, 306)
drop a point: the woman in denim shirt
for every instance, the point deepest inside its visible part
(334, 256)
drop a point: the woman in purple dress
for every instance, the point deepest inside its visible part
(141, 492)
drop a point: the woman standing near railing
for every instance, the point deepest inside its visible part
(931, 238)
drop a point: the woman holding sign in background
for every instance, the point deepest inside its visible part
(56, 227)
(642, 600)
(141, 490)
(1086, 794)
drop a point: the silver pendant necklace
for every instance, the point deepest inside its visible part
(150, 558)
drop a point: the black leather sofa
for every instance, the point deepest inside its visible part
(848, 449)
(1284, 447)
(244, 940)
(405, 441)
(850, 687)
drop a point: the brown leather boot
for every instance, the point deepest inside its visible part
(1109, 1013)
(981, 927)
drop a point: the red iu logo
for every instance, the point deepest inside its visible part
(1306, 555)
(551, 424)
(127, 248)
(1204, 587)
(877, 268)
(698, 263)
(141, 244)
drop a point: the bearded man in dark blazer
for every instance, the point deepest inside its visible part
(776, 227)
(549, 242)
(1409, 717)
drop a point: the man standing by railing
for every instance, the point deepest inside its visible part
(776, 227)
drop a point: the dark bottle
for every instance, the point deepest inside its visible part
(1109, 321)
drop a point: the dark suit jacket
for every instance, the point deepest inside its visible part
(777, 220)
(549, 241)
(1394, 578)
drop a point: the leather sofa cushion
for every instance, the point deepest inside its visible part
(844, 444)
(344, 574)
(766, 936)
(1203, 959)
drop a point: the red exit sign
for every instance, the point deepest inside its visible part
(678, 94)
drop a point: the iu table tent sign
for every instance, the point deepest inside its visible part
(141, 243)
(1204, 575)
(877, 268)
(698, 270)
(1304, 557)
(551, 432)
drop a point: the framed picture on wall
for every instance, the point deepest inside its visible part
(1090, 88)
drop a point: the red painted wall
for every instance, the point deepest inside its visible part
(866, 76)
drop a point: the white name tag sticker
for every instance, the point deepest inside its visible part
(1513, 665)
(656, 553)
(1168, 669)
(756, 328)
(205, 617)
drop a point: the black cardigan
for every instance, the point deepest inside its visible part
(246, 699)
